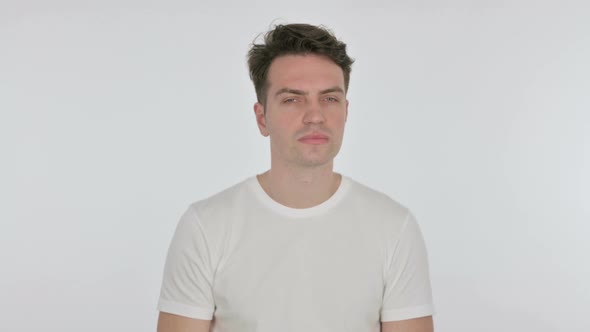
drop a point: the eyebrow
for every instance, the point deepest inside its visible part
(303, 93)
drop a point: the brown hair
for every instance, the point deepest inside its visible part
(294, 39)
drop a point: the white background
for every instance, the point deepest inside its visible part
(115, 115)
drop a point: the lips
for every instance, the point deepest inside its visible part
(314, 138)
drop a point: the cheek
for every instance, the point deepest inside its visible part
(285, 123)
(283, 130)
(339, 119)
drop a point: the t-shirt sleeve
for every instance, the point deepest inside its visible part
(407, 292)
(188, 273)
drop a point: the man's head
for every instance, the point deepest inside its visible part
(294, 39)
(301, 78)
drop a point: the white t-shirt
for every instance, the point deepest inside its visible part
(252, 264)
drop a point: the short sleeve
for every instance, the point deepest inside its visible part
(407, 292)
(188, 274)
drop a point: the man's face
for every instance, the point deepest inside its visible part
(305, 97)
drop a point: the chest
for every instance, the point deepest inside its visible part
(311, 276)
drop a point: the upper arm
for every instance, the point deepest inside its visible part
(422, 324)
(174, 323)
(188, 273)
(407, 292)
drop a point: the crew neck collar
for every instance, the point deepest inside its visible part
(279, 208)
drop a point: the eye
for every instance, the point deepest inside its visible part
(289, 100)
(331, 99)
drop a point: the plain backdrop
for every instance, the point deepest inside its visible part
(115, 115)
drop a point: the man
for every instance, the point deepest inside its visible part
(299, 247)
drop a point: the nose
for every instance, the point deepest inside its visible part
(313, 114)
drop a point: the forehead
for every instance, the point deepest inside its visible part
(304, 72)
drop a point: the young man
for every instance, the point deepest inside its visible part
(299, 247)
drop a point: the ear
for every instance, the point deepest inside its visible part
(346, 116)
(261, 119)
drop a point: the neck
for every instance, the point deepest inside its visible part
(300, 189)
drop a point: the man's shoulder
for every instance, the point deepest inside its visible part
(371, 197)
(224, 199)
(377, 208)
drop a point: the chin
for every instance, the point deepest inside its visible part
(315, 162)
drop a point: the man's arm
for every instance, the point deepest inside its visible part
(422, 324)
(174, 323)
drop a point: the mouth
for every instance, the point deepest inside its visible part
(314, 139)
